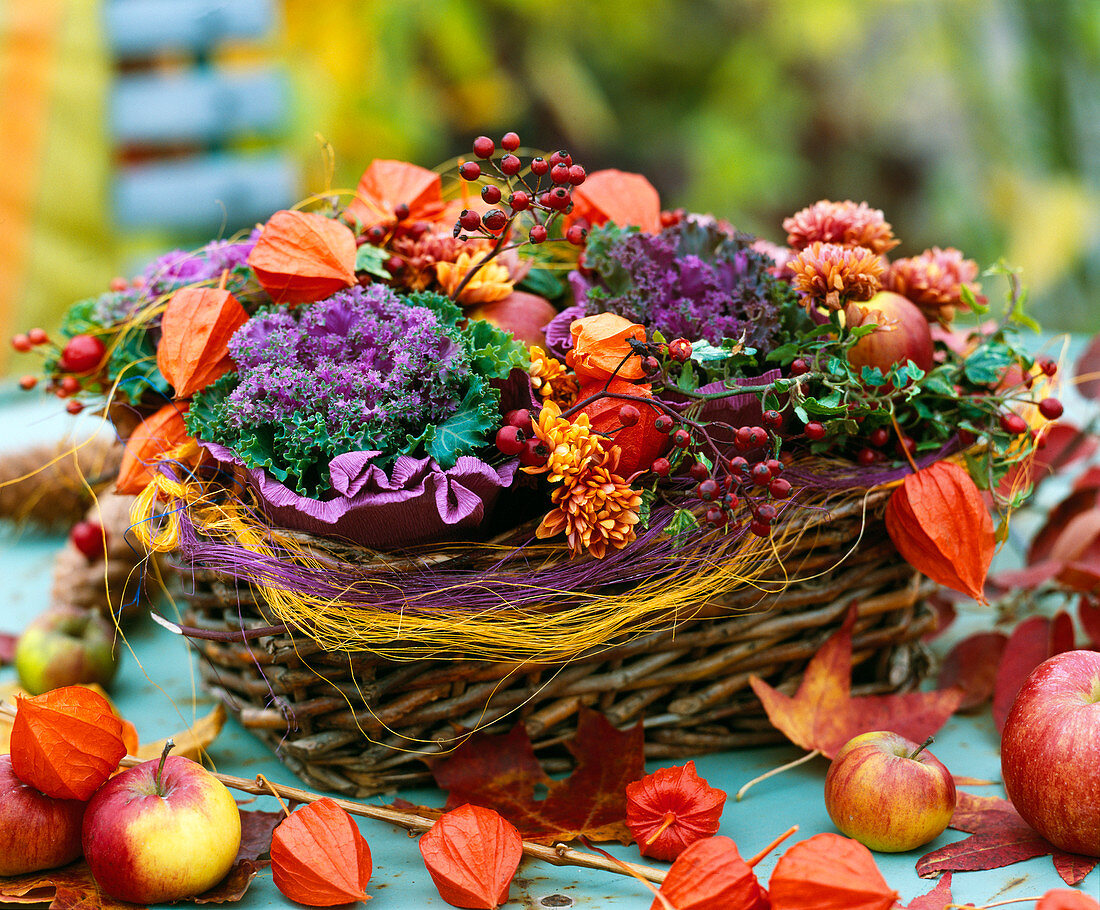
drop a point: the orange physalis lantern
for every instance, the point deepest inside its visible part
(472, 854)
(319, 857)
(66, 742)
(640, 443)
(154, 438)
(195, 333)
(670, 809)
(940, 524)
(601, 343)
(711, 874)
(612, 195)
(829, 872)
(386, 184)
(302, 256)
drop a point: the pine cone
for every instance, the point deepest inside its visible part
(53, 496)
(82, 582)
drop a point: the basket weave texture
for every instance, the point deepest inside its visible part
(358, 724)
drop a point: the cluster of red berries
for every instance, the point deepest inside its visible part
(527, 191)
(82, 356)
(517, 437)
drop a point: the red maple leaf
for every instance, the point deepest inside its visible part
(999, 837)
(822, 715)
(501, 772)
(939, 898)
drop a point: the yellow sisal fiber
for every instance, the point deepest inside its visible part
(573, 622)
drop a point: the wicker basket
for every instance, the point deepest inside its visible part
(358, 724)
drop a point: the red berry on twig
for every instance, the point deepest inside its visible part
(510, 165)
(679, 349)
(37, 336)
(469, 170)
(509, 142)
(21, 343)
(661, 467)
(89, 538)
(799, 367)
(491, 193)
(681, 438)
(1013, 424)
(629, 415)
(484, 147)
(538, 234)
(28, 382)
(539, 166)
(815, 430)
(82, 354)
(1051, 408)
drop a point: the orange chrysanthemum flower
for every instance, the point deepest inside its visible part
(572, 445)
(493, 281)
(550, 378)
(934, 280)
(845, 223)
(831, 275)
(597, 511)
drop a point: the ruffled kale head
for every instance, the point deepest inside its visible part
(692, 280)
(362, 370)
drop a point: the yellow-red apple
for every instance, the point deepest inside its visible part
(1050, 751)
(65, 646)
(36, 831)
(901, 333)
(161, 831)
(889, 793)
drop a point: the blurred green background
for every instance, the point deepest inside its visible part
(971, 123)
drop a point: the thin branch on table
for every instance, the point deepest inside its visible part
(557, 855)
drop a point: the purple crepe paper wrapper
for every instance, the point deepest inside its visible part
(418, 502)
(559, 340)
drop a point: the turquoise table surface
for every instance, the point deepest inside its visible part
(158, 689)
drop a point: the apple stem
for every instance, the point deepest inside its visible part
(924, 745)
(774, 771)
(768, 849)
(274, 793)
(169, 745)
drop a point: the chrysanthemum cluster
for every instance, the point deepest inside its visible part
(362, 370)
(691, 280)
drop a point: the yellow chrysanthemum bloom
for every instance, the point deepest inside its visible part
(491, 282)
(551, 379)
(572, 445)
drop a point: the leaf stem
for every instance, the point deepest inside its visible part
(793, 764)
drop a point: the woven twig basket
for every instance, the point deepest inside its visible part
(358, 724)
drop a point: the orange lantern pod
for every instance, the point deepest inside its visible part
(302, 256)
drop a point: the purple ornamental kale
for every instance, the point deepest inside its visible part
(692, 280)
(360, 370)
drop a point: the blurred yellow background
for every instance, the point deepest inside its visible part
(971, 123)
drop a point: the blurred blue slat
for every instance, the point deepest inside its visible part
(198, 106)
(137, 28)
(204, 193)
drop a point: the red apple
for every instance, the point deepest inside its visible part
(1050, 751)
(36, 831)
(161, 831)
(65, 646)
(888, 793)
(902, 333)
(524, 315)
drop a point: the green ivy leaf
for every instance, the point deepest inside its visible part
(987, 364)
(372, 260)
(682, 522)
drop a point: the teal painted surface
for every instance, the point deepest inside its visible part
(157, 688)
